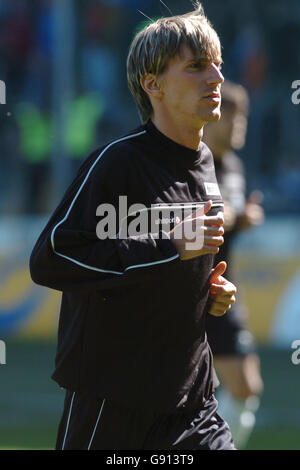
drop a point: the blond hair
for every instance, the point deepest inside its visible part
(154, 46)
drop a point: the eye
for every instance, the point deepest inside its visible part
(193, 66)
(197, 65)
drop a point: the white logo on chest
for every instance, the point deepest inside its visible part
(212, 189)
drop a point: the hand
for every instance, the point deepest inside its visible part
(222, 292)
(212, 231)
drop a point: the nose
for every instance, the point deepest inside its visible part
(215, 75)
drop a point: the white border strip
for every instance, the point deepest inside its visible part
(93, 268)
(100, 412)
(83, 183)
(68, 421)
(170, 207)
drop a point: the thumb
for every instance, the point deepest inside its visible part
(201, 211)
(207, 206)
(218, 271)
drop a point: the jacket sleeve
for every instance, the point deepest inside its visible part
(69, 256)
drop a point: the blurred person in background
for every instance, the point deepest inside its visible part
(83, 119)
(16, 41)
(101, 65)
(230, 339)
(34, 129)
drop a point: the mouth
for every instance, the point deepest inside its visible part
(214, 96)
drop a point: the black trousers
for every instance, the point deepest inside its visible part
(101, 424)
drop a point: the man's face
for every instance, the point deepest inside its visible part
(191, 89)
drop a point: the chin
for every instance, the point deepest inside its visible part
(214, 117)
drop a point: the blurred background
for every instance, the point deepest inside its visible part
(64, 66)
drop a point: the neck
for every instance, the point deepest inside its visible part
(188, 137)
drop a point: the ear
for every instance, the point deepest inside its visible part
(151, 86)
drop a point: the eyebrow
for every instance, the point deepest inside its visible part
(204, 58)
(200, 60)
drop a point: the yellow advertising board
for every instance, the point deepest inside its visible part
(263, 281)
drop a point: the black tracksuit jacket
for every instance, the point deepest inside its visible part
(132, 319)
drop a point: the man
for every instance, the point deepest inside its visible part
(231, 342)
(132, 349)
